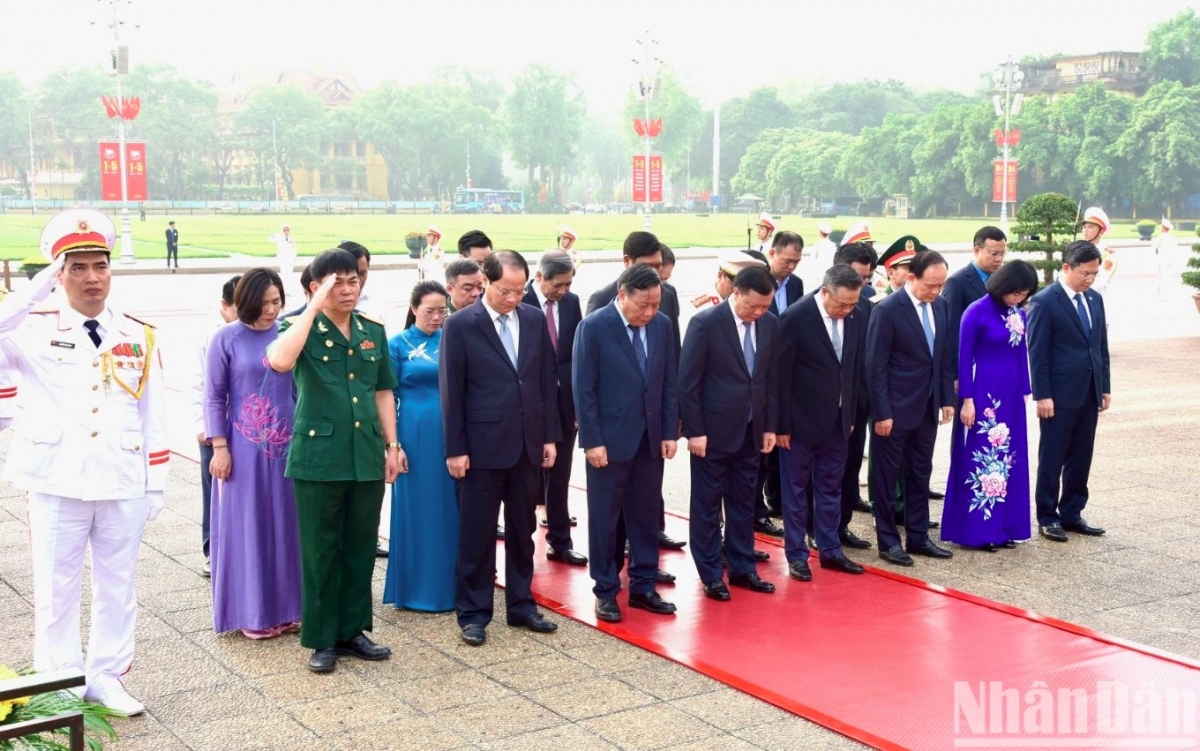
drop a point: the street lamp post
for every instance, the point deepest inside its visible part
(648, 66)
(1007, 78)
(120, 66)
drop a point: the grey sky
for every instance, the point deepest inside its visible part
(721, 49)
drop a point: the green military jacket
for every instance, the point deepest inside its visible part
(337, 435)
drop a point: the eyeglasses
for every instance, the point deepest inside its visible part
(434, 312)
(508, 292)
(1086, 274)
(996, 254)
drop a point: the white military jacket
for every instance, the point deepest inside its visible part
(93, 425)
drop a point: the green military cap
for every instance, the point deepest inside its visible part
(901, 252)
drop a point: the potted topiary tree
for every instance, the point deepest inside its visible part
(31, 265)
(1145, 228)
(1041, 218)
(836, 236)
(1192, 278)
(416, 243)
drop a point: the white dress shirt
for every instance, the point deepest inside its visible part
(542, 304)
(641, 333)
(514, 325)
(1071, 298)
(741, 325)
(195, 389)
(917, 304)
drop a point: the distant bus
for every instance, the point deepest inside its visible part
(488, 201)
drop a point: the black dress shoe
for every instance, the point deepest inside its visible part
(608, 610)
(652, 602)
(767, 527)
(323, 660)
(761, 555)
(1083, 528)
(474, 634)
(363, 648)
(1054, 532)
(863, 506)
(536, 623)
(841, 563)
(851, 540)
(499, 532)
(927, 548)
(546, 523)
(669, 543)
(1010, 544)
(663, 577)
(935, 495)
(380, 551)
(935, 525)
(896, 555)
(986, 548)
(800, 571)
(752, 582)
(717, 591)
(567, 556)
(206, 569)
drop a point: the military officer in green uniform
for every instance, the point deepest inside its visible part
(343, 450)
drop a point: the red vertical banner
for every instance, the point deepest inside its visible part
(639, 179)
(998, 181)
(110, 171)
(656, 179)
(135, 163)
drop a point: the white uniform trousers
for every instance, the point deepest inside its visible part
(60, 531)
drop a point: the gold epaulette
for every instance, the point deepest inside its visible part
(43, 311)
(138, 320)
(372, 319)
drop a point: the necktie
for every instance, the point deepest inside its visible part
(927, 326)
(1083, 316)
(550, 324)
(506, 338)
(91, 325)
(639, 352)
(837, 339)
(748, 349)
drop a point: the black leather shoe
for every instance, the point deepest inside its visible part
(863, 506)
(499, 532)
(663, 577)
(206, 570)
(935, 525)
(927, 548)
(380, 551)
(1083, 528)
(935, 495)
(717, 591)
(474, 634)
(536, 623)
(545, 523)
(652, 602)
(363, 648)
(567, 556)
(752, 582)
(1054, 532)
(800, 571)
(851, 540)
(1010, 544)
(323, 660)
(765, 526)
(761, 555)
(896, 555)
(608, 610)
(669, 543)
(841, 563)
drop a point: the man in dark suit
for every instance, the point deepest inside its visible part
(862, 258)
(912, 391)
(626, 432)
(500, 415)
(966, 285)
(729, 403)
(820, 364)
(172, 243)
(1072, 385)
(550, 292)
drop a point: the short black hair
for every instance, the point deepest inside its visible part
(306, 279)
(757, 255)
(842, 276)
(638, 276)
(1080, 252)
(228, 288)
(461, 267)
(494, 265)
(989, 233)
(641, 244)
(855, 253)
(171, 223)
(1014, 276)
(248, 296)
(754, 279)
(924, 260)
(473, 239)
(358, 249)
(427, 287)
(333, 261)
(786, 239)
(668, 255)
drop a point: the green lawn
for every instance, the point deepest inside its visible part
(216, 235)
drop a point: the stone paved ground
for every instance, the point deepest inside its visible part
(581, 689)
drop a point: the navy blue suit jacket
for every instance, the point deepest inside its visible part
(614, 404)
(492, 412)
(569, 315)
(963, 287)
(716, 392)
(795, 290)
(1064, 365)
(900, 368)
(812, 382)
(668, 307)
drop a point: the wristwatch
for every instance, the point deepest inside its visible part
(393, 445)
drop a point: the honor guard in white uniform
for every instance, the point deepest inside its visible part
(566, 241)
(433, 262)
(764, 230)
(90, 449)
(1095, 225)
(730, 262)
(8, 398)
(1164, 248)
(285, 252)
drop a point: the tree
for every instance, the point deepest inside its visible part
(683, 119)
(1173, 49)
(14, 126)
(606, 153)
(1162, 144)
(806, 166)
(389, 117)
(1045, 216)
(178, 122)
(70, 100)
(879, 163)
(296, 118)
(544, 113)
(850, 107)
(742, 120)
(751, 176)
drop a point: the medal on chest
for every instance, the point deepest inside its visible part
(128, 365)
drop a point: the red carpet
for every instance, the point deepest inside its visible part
(897, 663)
